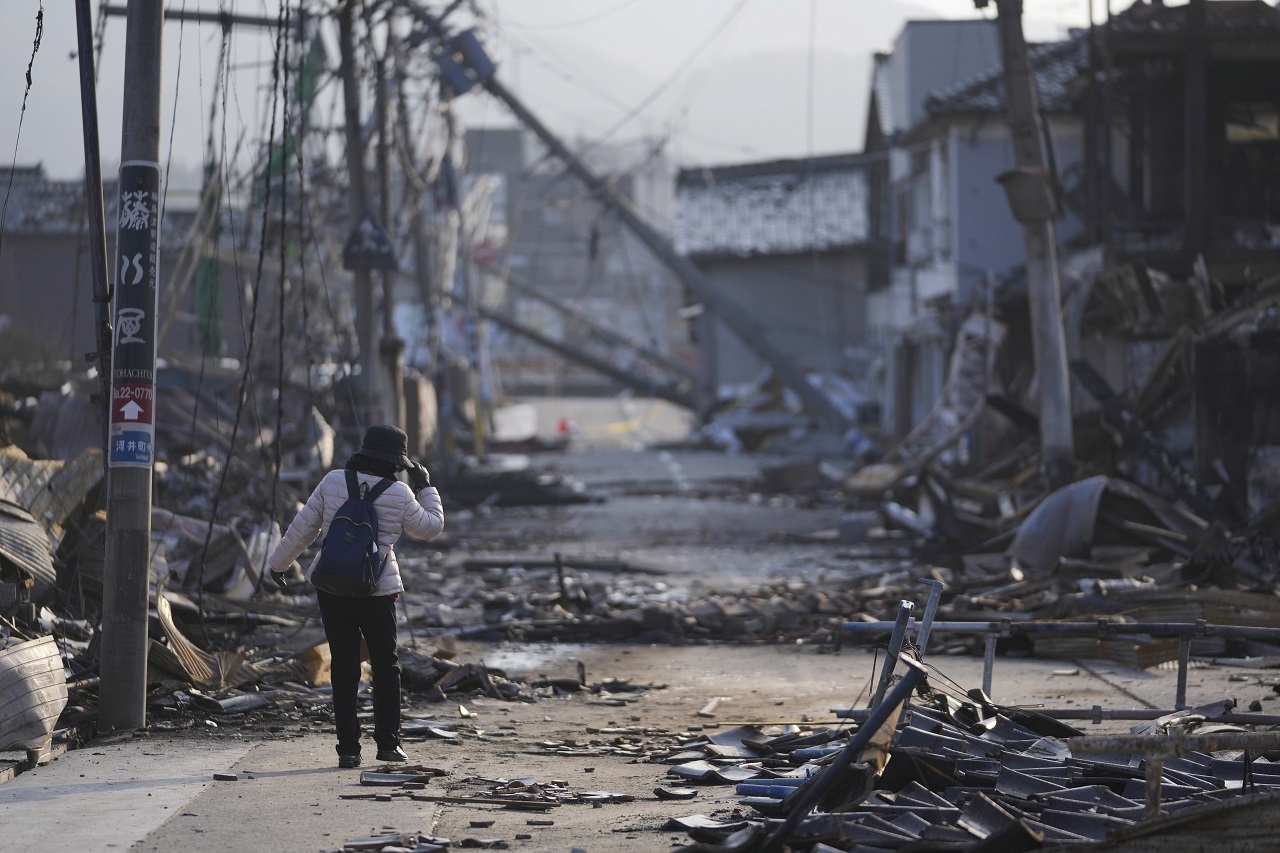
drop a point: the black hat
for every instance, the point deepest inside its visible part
(388, 443)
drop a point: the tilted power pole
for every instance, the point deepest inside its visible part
(740, 321)
(1032, 199)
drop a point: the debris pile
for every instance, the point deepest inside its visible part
(960, 773)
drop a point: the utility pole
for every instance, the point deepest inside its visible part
(93, 204)
(1195, 133)
(392, 347)
(1032, 198)
(371, 399)
(470, 307)
(131, 449)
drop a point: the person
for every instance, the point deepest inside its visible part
(414, 509)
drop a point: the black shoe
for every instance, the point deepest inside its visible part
(395, 755)
(348, 761)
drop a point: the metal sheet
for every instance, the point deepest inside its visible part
(24, 543)
(1061, 526)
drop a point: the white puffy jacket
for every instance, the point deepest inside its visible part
(398, 512)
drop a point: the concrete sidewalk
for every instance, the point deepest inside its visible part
(159, 793)
(120, 791)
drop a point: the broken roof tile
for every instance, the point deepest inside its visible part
(776, 208)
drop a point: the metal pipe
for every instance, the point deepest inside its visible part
(1155, 749)
(930, 611)
(1100, 628)
(1173, 745)
(1098, 714)
(989, 662)
(1155, 775)
(807, 796)
(895, 649)
(223, 18)
(1184, 663)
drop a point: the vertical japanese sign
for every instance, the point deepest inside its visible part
(133, 350)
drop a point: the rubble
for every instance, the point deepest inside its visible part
(958, 772)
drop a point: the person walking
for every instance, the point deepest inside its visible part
(414, 509)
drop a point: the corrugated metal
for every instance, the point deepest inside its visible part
(49, 489)
(778, 208)
(33, 692)
(24, 543)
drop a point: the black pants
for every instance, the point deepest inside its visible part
(345, 621)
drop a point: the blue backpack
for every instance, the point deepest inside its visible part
(348, 563)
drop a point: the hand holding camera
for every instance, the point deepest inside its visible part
(418, 477)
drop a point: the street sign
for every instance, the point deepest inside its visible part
(133, 351)
(368, 247)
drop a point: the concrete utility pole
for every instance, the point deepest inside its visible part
(131, 441)
(392, 347)
(1031, 197)
(371, 397)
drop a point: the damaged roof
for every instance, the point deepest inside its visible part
(780, 207)
(1221, 16)
(38, 204)
(1055, 64)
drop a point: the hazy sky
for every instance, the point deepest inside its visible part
(723, 80)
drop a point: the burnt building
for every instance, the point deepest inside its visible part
(1182, 109)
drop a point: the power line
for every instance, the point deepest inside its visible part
(580, 21)
(716, 33)
(35, 48)
(173, 119)
(246, 384)
(719, 31)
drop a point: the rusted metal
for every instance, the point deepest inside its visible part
(1156, 749)
(1173, 745)
(1155, 775)
(1101, 628)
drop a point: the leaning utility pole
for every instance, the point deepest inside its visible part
(1031, 196)
(93, 207)
(131, 448)
(480, 69)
